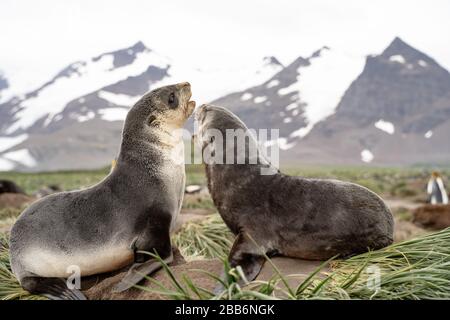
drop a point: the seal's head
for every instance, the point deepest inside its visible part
(166, 107)
(225, 139)
(211, 119)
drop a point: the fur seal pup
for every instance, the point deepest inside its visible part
(7, 186)
(285, 215)
(104, 228)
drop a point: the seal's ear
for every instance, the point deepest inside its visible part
(151, 120)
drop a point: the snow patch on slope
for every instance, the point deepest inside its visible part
(267, 70)
(118, 98)
(289, 89)
(273, 83)
(89, 77)
(260, 99)
(302, 132)
(9, 142)
(22, 156)
(232, 79)
(324, 82)
(422, 63)
(246, 96)
(6, 165)
(291, 106)
(397, 58)
(113, 114)
(385, 126)
(83, 118)
(366, 156)
(281, 142)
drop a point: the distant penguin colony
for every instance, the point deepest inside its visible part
(107, 226)
(285, 215)
(436, 190)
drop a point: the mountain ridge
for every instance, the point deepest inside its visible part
(79, 112)
(331, 107)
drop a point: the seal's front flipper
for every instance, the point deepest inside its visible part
(138, 271)
(246, 254)
(52, 288)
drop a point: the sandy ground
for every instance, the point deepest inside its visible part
(299, 269)
(15, 200)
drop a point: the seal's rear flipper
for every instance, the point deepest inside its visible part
(52, 288)
(246, 254)
(138, 271)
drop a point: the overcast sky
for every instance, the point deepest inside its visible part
(38, 38)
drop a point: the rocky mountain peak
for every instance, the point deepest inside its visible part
(271, 60)
(319, 52)
(125, 56)
(139, 47)
(401, 52)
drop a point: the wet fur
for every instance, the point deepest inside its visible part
(303, 218)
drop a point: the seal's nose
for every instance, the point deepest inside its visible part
(200, 112)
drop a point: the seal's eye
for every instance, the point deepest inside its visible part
(171, 98)
(172, 101)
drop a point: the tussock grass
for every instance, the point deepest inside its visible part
(413, 269)
(8, 213)
(10, 288)
(208, 238)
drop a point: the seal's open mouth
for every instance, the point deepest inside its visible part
(199, 113)
(190, 105)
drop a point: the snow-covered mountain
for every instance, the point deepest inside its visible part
(333, 107)
(299, 96)
(396, 112)
(74, 120)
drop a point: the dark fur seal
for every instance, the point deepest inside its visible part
(7, 186)
(102, 228)
(291, 216)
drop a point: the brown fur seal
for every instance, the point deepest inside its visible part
(303, 218)
(104, 227)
